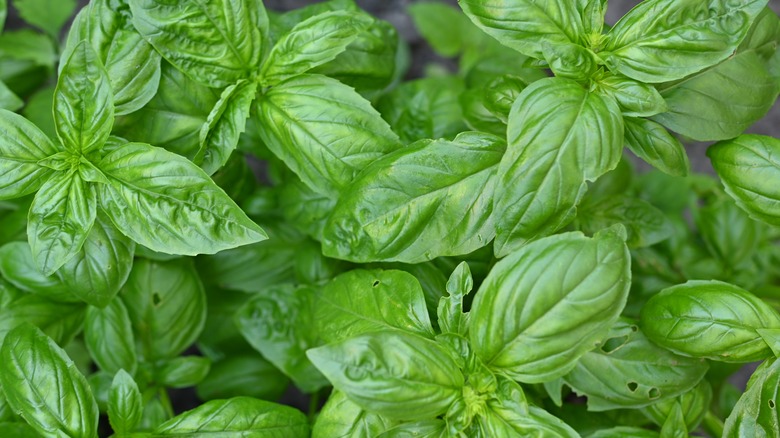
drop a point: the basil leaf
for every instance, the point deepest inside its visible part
(524, 315)
(651, 142)
(443, 27)
(694, 405)
(418, 429)
(215, 43)
(323, 131)
(254, 417)
(164, 202)
(635, 99)
(402, 206)
(395, 374)
(499, 421)
(61, 216)
(502, 93)
(18, 267)
(709, 319)
(388, 301)
(755, 414)
(53, 406)
(279, 324)
(624, 432)
(747, 167)
(45, 15)
(310, 43)
(340, 417)
(166, 304)
(8, 99)
(132, 64)
(100, 268)
(450, 313)
(728, 233)
(60, 321)
(108, 334)
(3, 13)
(83, 102)
(662, 40)
(629, 371)
(553, 149)
(242, 374)
(124, 404)
(525, 25)
(18, 430)
(183, 371)
(645, 224)
(22, 145)
(477, 116)
(219, 135)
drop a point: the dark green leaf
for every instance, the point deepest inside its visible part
(342, 418)
(60, 321)
(651, 142)
(238, 415)
(183, 371)
(646, 225)
(709, 319)
(445, 28)
(529, 320)
(728, 232)
(756, 412)
(559, 136)
(323, 131)
(215, 42)
(109, 336)
(164, 202)
(393, 373)
(17, 266)
(749, 166)
(22, 145)
(46, 15)
(8, 100)
(35, 48)
(245, 374)
(429, 199)
(54, 406)
(662, 40)
(18, 430)
(694, 404)
(124, 404)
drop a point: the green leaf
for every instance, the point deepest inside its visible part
(108, 334)
(238, 415)
(61, 216)
(436, 428)
(166, 304)
(3, 13)
(341, 417)
(645, 224)
(559, 137)
(46, 15)
(183, 371)
(164, 202)
(772, 339)
(8, 100)
(528, 319)
(279, 324)
(651, 142)
(216, 43)
(54, 406)
(100, 268)
(17, 266)
(124, 404)
(674, 426)
(311, 43)
(395, 374)
(526, 25)
(34, 49)
(132, 64)
(709, 319)
(60, 321)
(227, 120)
(694, 403)
(500, 421)
(83, 102)
(756, 412)
(747, 167)
(450, 313)
(323, 131)
(432, 198)
(502, 93)
(629, 371)
(38, 110)
(242, 374)
(445, 29)
(361, 301)
(624, 432)
(635, 99)
(728, 233)
(662, 40)
(22, 145)
(18, 430)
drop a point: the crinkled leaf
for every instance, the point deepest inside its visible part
(164, 202)
(429, 199)
(216, 42)
(342, 418)
(108, 334)
(395, 374)
(22, 145)
(661, 40)
(83, 102)
(634, 98)
(709, 319)
(541, 308)
(323, 131)
(61, 216)
(124, 403)
(651, 142)
(756, 412)
(559, 136)
(238, 415)
(44, 386)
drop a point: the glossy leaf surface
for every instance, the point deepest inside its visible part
(124, 403)
(22, 145)
(108, 334)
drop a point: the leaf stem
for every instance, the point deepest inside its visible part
(712, 424)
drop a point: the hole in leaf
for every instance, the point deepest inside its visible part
(634, 328)
(632, 386)
(613, 344)
(654, 393)
(771, 404)
(156, 298)
(376, 283)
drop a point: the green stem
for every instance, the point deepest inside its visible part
(166, 402)
(314, 403)
(712, 424)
